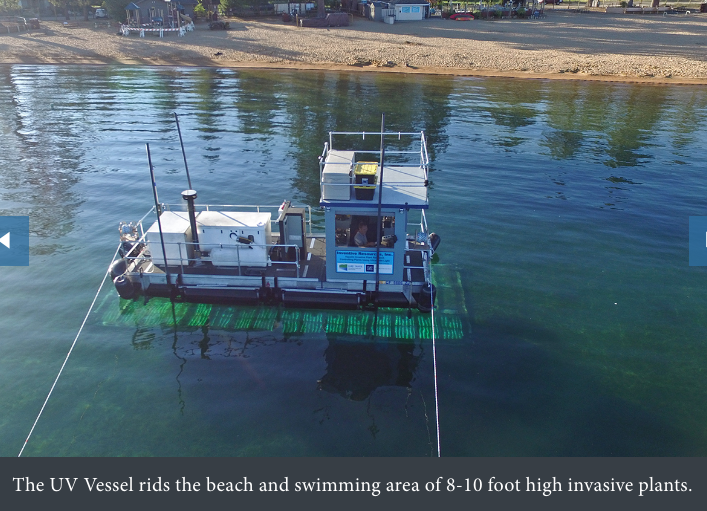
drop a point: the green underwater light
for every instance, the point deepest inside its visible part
(201, 315)
(298, 322)
(385, 323)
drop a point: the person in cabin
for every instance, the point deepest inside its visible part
(361, 238)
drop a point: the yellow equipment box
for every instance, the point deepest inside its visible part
(365, 173)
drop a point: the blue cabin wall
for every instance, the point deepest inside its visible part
(338, 253)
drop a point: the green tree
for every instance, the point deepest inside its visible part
(62, 6)
(84, 5)
(212, 6)
(232, 4)
(116, 9)
(8, 6)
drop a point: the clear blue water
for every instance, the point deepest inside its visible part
(563, 210)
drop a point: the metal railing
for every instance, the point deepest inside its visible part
(421, 227)
(399, 134)
(183, 246)
(422, 152)
(183, 258)
(232, 208)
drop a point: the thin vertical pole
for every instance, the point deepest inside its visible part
(158, 209)
(379, 228)
(184, 155)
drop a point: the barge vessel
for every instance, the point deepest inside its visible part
(375, 249)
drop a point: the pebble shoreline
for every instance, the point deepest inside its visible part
(564, 45)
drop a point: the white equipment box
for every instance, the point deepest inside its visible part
(336, 175)
(234, 238)
(177, 239)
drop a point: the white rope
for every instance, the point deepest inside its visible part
(68, 354)
(434, 361)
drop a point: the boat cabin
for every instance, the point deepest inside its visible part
(367, 208)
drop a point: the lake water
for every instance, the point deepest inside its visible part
(573, 323)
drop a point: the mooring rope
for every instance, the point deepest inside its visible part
(434, 363)
(69, 353)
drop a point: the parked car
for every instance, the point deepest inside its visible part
(101, 13)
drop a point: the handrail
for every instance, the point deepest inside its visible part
(422, 152)
(238, 248)
(398, 134)
(359, 185)
(363, 134)
(391, 151)
(322, 160)
(257, 207)
(145, 215)
(204, 206)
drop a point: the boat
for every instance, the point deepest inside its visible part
(375, 249)
(462, 16)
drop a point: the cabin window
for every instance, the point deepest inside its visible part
(348, 226)
(343, 230)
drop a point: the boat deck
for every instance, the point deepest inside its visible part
(313, 266)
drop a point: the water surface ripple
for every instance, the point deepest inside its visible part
(575, 326)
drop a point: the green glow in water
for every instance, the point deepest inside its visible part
(386, 324)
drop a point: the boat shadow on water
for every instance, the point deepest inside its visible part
(313, 367)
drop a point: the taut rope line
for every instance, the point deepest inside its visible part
(68, 355)
(434, 363)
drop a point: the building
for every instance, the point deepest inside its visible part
(160, 8)
(410, 10)
(401, 10)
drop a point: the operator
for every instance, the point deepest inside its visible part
(361, 239)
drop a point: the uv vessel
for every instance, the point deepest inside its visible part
(375, 249)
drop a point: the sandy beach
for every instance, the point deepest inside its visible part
(589, 46)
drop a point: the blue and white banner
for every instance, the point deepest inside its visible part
(363, 261)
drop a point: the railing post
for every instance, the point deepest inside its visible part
(181, 259)
(238, 256)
